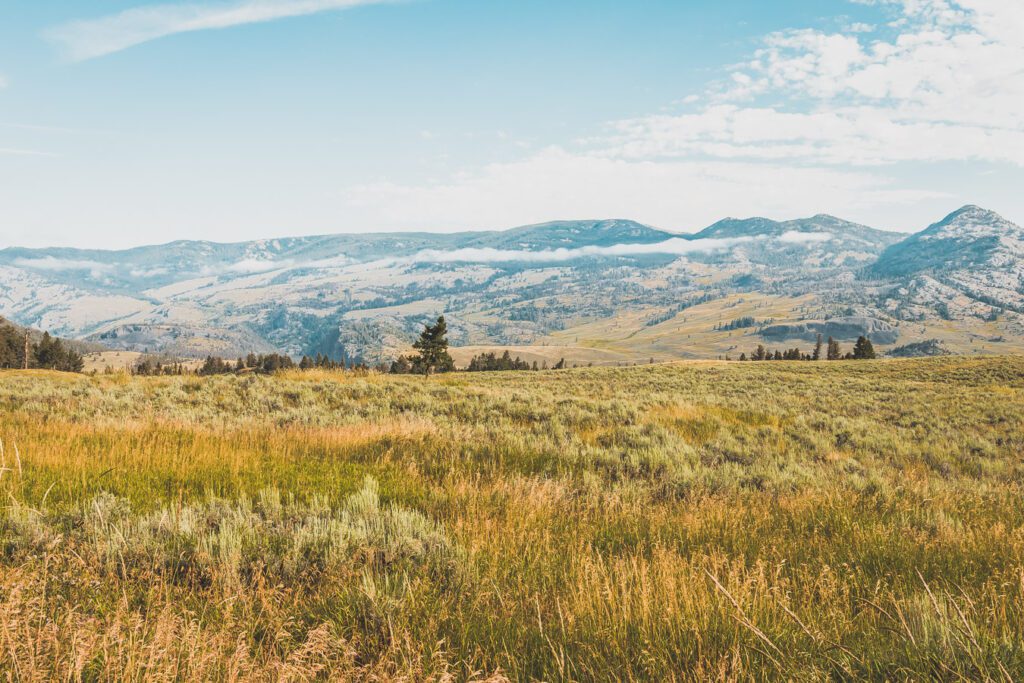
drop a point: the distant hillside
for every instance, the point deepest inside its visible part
(971, 237)
(612, 286)
(35, 336)
(973, 251)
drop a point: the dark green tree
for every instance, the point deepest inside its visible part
(433, 348)
(863, 349)
(834, 352)
(402, 366)
(52, 354)
(817, 349)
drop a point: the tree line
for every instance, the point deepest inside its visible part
(49, 353)
(863, 349)
(267, 363)
(433, 357)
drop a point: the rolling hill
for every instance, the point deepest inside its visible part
(624, 291)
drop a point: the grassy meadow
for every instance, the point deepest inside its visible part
(700, 521)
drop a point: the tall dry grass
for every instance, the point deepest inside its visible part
(713, 522)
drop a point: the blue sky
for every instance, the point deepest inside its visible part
(124, 122)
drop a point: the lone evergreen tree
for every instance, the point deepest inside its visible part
(817, 349)
(433, 348)
(863, 349)
(834, 352)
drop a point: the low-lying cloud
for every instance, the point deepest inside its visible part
(253, 266)
(57, 265)
(676, 246)
(673, 247)
(797, 237)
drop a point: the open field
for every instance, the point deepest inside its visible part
(695, 521)
(692, 334)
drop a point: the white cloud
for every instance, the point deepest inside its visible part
(797, 237)
(57, 265)
(149, 272)
(90, 38)
(809, 123)
(858, 135)
(947, 85)
(254, 266)
(678, 194)
(672, 247)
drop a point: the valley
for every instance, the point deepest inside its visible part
(603, 292)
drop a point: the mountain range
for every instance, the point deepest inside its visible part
(600, 291)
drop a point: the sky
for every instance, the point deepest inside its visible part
(126, 122)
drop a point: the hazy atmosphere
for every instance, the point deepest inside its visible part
(501, 341)
(125, 123)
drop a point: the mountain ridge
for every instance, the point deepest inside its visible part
(346, 294)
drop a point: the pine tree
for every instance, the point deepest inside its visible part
(863, 349)
(433, 348)
(51, 354)
(817, 349)
(834, 352)
(401, 366)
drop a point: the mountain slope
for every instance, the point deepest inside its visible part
(970, 237)
(824, 240)
(973, 250)
(584, 284)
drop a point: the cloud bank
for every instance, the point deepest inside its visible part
(87, 39)
(677, 246)
(677, 194)
(60, 265)
(941, 82)
(672, 247)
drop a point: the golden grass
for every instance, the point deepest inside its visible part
(696, 521)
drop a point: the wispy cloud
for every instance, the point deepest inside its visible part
(86, 39)
(60, 265)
